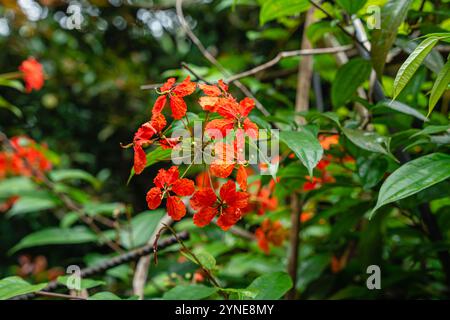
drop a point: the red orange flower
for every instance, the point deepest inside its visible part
(168, 182)
(270, 233)
(228, 206)
(33, 74)
(175, 94)
(143, 138)
(327, 141)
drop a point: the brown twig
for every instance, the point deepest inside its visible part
(113, 262)
(211, 58)
(59, 295)
(288, 54)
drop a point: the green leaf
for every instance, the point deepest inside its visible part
(142, 227)
(39, 201)
(74, 174)
(206, 259)
(403, 108)
(414, 176)
(104, 296)
(16, 185)
(369, 141)
(189, 292)
(431, 130)
(348, 78)
(9, 106)
(410, 66)
(271, 286)
(352, 6)
(14, 286)
(93, 209)
(371, 170)
(84, 283)
(274, 9)
(439, 87)
(79, 234)
(154, 156)
(392, 15)
(305, 145)
(15, 84)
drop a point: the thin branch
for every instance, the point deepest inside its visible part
(288, 54)
(211, 58)
(59, 295)
(113, 262)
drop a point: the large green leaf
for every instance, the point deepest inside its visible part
(16, 185)
(369, 141)
(14, 286)
(413, 177)
(348, 78)
(439, 87)
(392, 15)
(189, 292)
(403, 108)
(271, 286)
(84, 283)
(305, 145)
(410, 66)
(74, 174)
(104, 296)
(274, 9)
(154, 156)
(39, 201)
(142, 228)
(79, 234)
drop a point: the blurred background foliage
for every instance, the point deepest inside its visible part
(92, 101)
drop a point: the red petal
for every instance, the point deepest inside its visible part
(154, 197)
(228, 218)
(228, 191)
(208, 103)
(166, 177)
(204, 216)
(175, 208)
(219, 128)
(168, 85)
(158, 122)
(210, 90)
(159, 104)
(228, 108)
(221, 168)
(140, 159)
(241, 178)
(178, 107)
(183, 187)
(246, 105)
(185, 88)
(203, 198)
(251, 129)
(263, 244)
(222, 85)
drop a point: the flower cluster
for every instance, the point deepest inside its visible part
(33, 74)
(270, 232)
(229, 203)
(26, 156)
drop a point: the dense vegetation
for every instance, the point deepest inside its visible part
(92, 94)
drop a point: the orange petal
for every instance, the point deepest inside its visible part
(210, 90)
(208, 103)
(140, 159)
(204, 216)
(159, 104)
(203, 198)
(178, 107)
(154, 197)
(183, 187)
(228, 218)
(175, 208)
(185, 88)
(241, 178)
